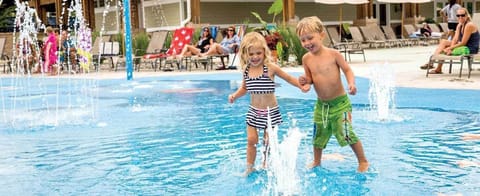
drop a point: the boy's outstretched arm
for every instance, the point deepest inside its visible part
(348, 72)
(239, 93)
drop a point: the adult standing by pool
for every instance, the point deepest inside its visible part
(450, 12)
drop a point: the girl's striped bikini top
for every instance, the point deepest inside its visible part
(261, 84)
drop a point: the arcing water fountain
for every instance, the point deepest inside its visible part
(27, 100)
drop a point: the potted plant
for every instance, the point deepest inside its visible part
(274, 39)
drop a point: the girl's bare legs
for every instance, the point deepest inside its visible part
(362, 160)
(266, 150)
(252, 140)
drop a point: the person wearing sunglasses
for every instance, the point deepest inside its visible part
(449, 12)
(465, 40)
(228, 45)
(203, 44)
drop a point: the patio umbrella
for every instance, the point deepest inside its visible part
(341, 2)
(403, 6)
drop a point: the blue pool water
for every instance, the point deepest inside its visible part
(179, 136)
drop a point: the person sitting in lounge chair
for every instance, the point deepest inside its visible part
(227, 46)
(426, 30)
(204, 43)
(466, 37)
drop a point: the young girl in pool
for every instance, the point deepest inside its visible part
(258, 80)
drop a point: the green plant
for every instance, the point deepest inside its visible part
(296, 47)
(429, 20)
(168, 40)
(95, 34)
(140, 44)
(275, 9)
(7, 15)
(196, 34)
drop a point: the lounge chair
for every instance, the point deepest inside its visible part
(444, 27)
(390, 34)
(97, 50)
(156, 46)
(4, 60)
(346, 47)
(369, 40)
(381, 36)
(413, 35)
(180, 38)
(441, 58)
(436, 33)
(472, 59)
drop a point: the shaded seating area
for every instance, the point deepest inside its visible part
(347, 48)
(370, 41)
(390, 34)
(165, 60)
(208, 60)
(156, 46)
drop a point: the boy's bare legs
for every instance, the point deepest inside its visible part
(362, 160)
(317, 157)
(252, 140)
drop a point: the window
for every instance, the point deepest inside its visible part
(102, 3)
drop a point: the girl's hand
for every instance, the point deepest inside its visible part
(305, 88)
(231, 98)
(302, 80)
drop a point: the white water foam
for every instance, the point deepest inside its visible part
(282, 159)
(381, 94)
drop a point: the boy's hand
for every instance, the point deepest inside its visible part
(231, 98)
(352, 89)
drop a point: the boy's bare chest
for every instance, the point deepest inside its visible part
(324, 67)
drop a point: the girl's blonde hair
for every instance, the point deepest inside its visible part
(310, 24)
(254, 39)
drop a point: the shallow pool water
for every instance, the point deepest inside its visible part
(179, 136)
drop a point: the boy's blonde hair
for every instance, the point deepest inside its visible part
(310, 24)
(254, 39)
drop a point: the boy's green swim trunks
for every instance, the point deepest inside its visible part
(333, 117)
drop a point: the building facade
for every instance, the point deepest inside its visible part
(152, 15)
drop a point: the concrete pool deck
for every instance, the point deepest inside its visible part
(405, 63)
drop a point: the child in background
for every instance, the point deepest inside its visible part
(258, 81)
(50, 48)
(332, 112)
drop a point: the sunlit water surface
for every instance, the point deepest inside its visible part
(172, 136)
